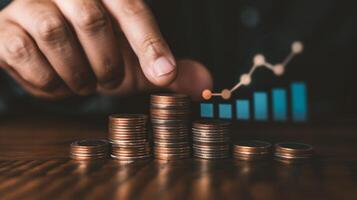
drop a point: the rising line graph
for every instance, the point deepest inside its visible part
(259, 61)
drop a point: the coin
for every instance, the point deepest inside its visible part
(289, 152)
(211, 139)
(170, 121)
(89, 149)
(252, 150)
(129, 137)
(211, 124)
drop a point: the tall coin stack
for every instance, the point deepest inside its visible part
(129, 137)
(170, 115)
(211, 139)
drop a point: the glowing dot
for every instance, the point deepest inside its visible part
(297, 47)
(245, 79)
(259, 59)
(279, 69)
(206, 94)
(226, 94)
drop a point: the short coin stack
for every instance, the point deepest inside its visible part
(252, 150)
(170, 114)
(129, 137)
(211, 139)
(293, 152)
(89, 149)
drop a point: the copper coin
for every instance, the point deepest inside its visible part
(293, 151)
(128, 117)
(89, 149)
(291, 147)
(209, 124)
(250, 157)
(169, 97)
(252, 146)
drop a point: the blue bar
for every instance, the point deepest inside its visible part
(261, 106)
(280, 105)
(207, 110)
(225, 111)
(242, 107)
(299, 101)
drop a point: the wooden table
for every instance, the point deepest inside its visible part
(34, 164)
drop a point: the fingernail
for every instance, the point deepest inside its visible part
(163, 66)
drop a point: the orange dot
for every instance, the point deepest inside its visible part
(278, 69)
(206, 94)
(226, 94)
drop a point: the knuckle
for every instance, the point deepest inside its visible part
(50, 28)
(46, 81)
(133, 8)
(91, 19)
(108, 72)
(151, 44)
(18, 48)
(108, 78)
(83, 83)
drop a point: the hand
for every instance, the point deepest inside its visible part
(63, 47)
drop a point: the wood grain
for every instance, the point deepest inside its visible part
(34, 164)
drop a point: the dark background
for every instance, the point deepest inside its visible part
(226, 34)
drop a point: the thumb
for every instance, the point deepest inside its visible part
(142, 32)
(192, 78)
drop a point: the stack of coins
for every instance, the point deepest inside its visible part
(89, 149)
(170, 115)
(211, 139)
(252, 150)
(129, 137)
(293, 152)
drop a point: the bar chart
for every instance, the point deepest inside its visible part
(279, 104)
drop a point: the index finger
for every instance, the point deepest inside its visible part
(140, 28)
